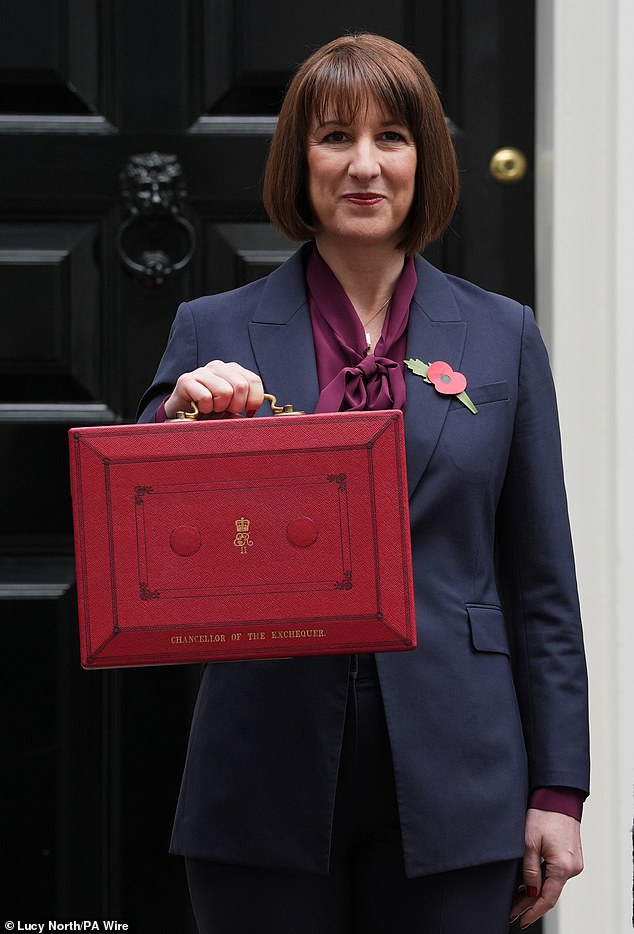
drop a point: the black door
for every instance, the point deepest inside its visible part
(96, 251)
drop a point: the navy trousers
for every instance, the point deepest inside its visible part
(366, 891)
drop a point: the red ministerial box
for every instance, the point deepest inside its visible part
(242, 539)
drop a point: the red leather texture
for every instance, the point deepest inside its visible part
(242, 539)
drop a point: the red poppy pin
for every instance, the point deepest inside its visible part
(444, 379)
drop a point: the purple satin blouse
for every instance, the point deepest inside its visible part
(349, 377)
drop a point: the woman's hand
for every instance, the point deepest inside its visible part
(552, 856)
(215, 388)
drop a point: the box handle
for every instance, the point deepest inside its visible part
(275, 408)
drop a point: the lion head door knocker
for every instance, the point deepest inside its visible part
(155, 240)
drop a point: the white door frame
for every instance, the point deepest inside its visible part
(585, 302)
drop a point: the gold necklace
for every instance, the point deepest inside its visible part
(365, 324)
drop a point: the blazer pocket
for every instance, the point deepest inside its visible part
(482, 395)
(488, 630)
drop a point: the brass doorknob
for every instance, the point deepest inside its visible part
(508, 165)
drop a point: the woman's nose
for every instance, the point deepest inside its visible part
(364, 162)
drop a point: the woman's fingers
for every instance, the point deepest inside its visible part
(216, 388)
(553, 855)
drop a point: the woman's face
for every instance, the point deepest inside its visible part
(361, 177)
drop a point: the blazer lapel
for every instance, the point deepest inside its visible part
(436, 331)
(282, 338)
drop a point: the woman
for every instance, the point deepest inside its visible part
(399, 792)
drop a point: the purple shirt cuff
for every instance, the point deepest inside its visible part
(562, 800)
(159, 415)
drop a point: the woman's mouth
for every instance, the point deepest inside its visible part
(364, 198)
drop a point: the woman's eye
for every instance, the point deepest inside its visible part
(336, 136)
(393, 136)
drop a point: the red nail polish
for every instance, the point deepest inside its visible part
(531, 891)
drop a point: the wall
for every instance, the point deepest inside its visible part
(585, 287)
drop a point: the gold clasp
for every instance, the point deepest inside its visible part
(280, 409)
(186, 416)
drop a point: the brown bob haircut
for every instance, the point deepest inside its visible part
(340, 78)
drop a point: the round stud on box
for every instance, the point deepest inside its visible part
(302, 532)
(185, 540)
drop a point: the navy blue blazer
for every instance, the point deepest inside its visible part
(493, 701)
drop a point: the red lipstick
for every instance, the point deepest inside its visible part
(364, 198)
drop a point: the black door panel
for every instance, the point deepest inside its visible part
(94, 758)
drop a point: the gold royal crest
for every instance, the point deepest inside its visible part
(242, 539)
